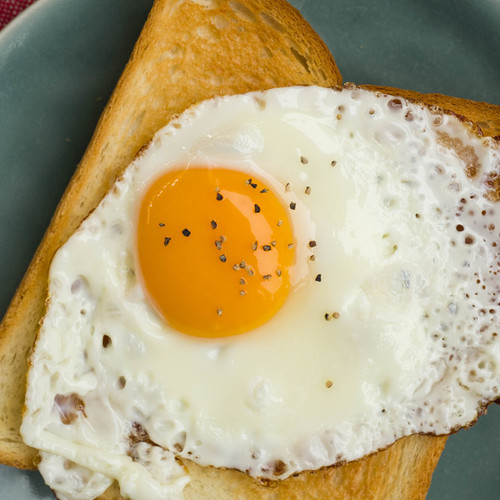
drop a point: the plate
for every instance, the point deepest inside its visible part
(59, 62)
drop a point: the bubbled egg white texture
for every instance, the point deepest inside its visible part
(390, 326)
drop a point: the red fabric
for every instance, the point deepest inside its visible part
(9, 9)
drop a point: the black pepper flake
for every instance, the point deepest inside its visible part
(266, 248)
(318, 278)
(290, 245)
(218, 244)
(223, 258)
(219, 197)
(254, 246)
(166, 241)
(328, 384)
(186, 232)
(288, 187)
(243, 281)
(279, 223)
(253, 185)
(312, 244)
(264, 190)
(312, 258)
(161, 224)
(308, 190)
(333, 163)
(304, 160)
(256, 208)
(293, 205)
(273, 243)
(213, 224)
(334, 315)
(242, 292)
(267, 277)
(243, 264)
(236, 267)
(278, 272)
(219, 312)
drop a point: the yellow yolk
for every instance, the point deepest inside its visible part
(215, 250)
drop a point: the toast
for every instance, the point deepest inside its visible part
(238, 47)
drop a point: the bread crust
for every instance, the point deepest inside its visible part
(231, 47)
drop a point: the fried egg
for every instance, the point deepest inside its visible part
(280, 281)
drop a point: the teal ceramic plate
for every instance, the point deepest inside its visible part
(60, 60)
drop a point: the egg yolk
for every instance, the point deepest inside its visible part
(215, 250)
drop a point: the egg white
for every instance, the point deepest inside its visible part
(398, 337)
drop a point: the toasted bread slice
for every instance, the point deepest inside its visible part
(226, 48)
